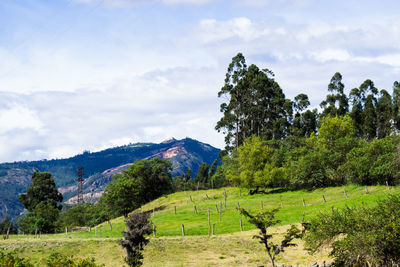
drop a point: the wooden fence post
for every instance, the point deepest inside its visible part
(261, 204)
(366, 190)
(241, 225)
(324, 198)
(281, 204)
(303, 216)
(216, 208)
(154, 230)
(207, 196)
(195, 209)
(213, 229)
(66, 231)
(225, 196)
(183, 230)
(175, 210)
(191, 198)
(109, 224)
(238, 206)
(304, 203)
(333, 209)
(209, 222)
(220, 210)
(387, 184)
(345, 194)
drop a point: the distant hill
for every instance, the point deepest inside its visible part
(99, 167)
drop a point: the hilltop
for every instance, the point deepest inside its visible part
(99, 167)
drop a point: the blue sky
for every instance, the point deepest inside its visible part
(89, 74)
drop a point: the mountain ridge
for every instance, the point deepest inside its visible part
(99, 167)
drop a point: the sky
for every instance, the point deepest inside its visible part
(78, 75)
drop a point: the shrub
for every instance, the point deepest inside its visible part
(360, 236)
(11, 259)
(138, 226)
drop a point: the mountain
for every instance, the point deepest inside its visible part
(99, 167)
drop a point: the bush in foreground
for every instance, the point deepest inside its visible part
(11, 259)
(360, 236)
(138, 226)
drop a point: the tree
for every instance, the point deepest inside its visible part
(122, 196)
(384, 114)
(264, 220)
(305, 121)
(363, 110)
(42, 189)
(43, 219)
(374, 162)
(138, 226)
(336, 103)
(142, 182)
(233, 91)
(6, 226)
(202, 174)
(256, 105)
(396, 105)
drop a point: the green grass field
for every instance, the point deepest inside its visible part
(228, 247)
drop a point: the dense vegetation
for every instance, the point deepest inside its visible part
(272, 141)
(11, 259)
(360, 236)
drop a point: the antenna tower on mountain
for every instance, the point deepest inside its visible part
(80, 181)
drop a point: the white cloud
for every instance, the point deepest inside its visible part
(17, 117)
(331, 54)
(211, 30)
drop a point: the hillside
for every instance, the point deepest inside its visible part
(228, 247)
(99, 168)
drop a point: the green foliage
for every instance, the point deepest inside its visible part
(256, 105)
(138, 226)
(42, 189)
(336, 103)
(360, 236)
(11, 259)
(122, 195)
(60, 260)
(41, 201)
(42, 219)
(87, 214)
(143, 181)
(7, 225)
(319, 164)
(252, 165)
(202, 175)
(374, 162)
(264, 220)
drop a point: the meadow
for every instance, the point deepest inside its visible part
(229, 246)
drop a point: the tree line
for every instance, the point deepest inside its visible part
(272, 141)
(256, 105)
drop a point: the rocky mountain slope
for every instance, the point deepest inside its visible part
(99, 167)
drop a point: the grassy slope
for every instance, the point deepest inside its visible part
(229, 247)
